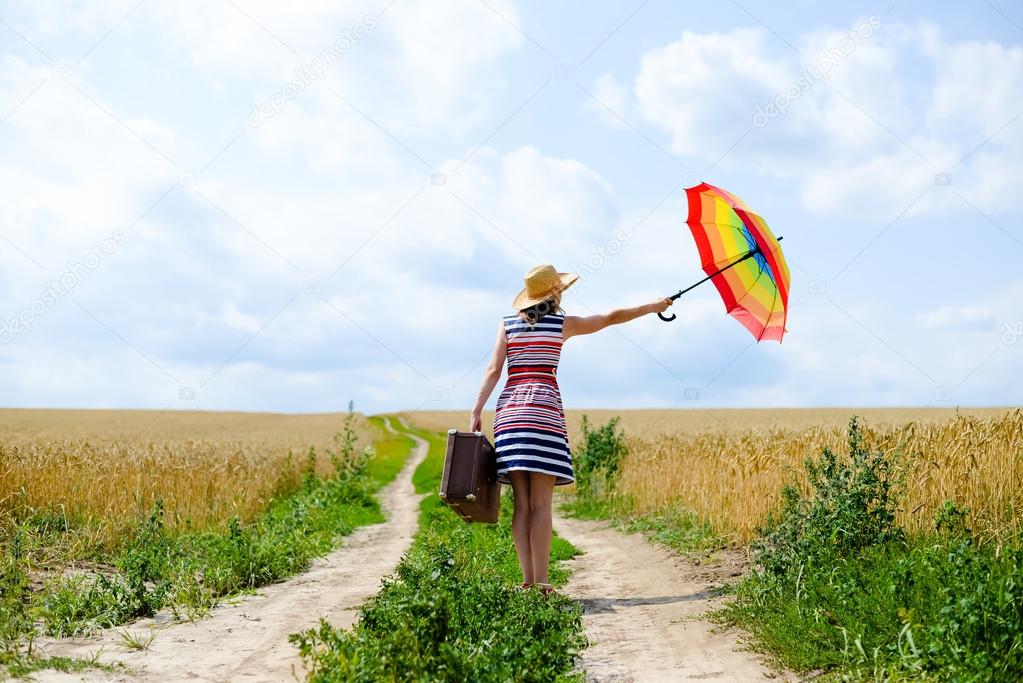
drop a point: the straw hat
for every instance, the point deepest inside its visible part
(542, 283)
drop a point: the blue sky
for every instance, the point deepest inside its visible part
(260, 206)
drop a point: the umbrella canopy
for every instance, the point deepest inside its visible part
(743, 259)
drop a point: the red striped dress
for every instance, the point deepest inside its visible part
(529, 425)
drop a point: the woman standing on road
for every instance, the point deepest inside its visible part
(530, 435)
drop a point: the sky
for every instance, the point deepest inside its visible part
(234, 205)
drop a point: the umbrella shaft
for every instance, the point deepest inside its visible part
(713, 275)
(751, 254)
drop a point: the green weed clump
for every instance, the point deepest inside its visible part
(851, 506)
(15, 621)
(452, 610)
(598, 460)
(840, 586)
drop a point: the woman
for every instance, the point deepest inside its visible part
(529, 426)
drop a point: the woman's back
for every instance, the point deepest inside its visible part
(533, 350)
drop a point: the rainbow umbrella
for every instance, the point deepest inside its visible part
(742, 258)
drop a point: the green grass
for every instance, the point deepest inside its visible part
(453, 611)
(675, 527)
(390, 453)
(428, 474)
(925, 609)
(25, 667)
(191, 572)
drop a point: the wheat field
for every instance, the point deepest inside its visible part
(729, 466)
(103, 469)
(651, 422)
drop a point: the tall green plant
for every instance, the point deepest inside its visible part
(15, 621)
(598, 460)
(342, 455)
(144, 565)
(851, 505)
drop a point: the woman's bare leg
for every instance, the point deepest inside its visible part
(541, 497)
(520, 522)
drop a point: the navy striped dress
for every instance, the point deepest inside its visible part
(529, 424)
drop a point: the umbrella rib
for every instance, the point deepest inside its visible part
(725, 261)
(774, 302)
(743, 230)
(749, 290)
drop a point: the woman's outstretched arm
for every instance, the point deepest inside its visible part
(576, 325)
(490, 379)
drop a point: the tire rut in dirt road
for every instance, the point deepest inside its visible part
(641, 611)
(248, 640)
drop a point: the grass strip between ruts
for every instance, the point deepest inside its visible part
(453, 610)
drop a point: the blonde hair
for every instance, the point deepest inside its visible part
(535, 313)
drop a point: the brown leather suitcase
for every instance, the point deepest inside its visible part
(469, 484)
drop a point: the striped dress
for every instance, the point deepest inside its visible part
(529, 424)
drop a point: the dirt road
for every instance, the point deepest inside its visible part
(641, 608)
(248, 641)
(641, 611)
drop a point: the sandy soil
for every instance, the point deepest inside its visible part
(641, 611)
(248, 641)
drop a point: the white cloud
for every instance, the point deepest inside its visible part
(977, 89)
(701, 87)
(961, 317)
(51, 22)
(526, 205)
(421, 65)
(65, 189)
(447, 58)
(258, 37)
(553, 203)
(858, 131)
(330, 137)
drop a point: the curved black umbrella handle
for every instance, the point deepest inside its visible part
(669, 318)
